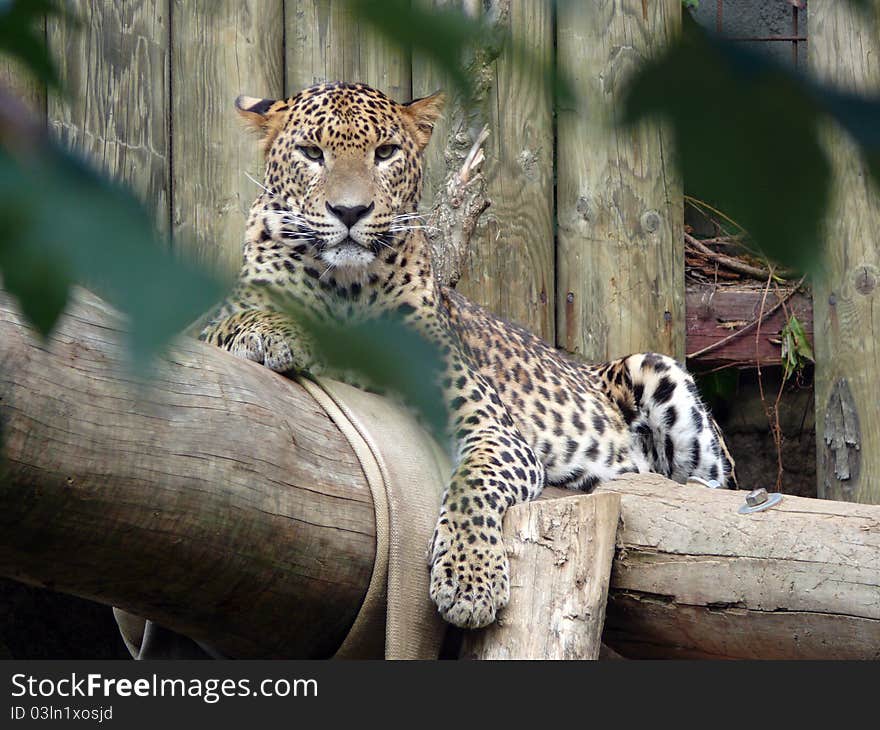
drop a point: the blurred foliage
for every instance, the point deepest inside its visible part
(747, 131)
(387, 353)
(19, 38)
(63, 223)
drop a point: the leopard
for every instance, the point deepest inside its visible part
(335, 230)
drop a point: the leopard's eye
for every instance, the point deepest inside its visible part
(315, 154)
(386, 151)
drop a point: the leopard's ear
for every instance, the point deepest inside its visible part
(264, 115)
(423, 114)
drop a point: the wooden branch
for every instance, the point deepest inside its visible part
(220, 501)
(560, 565)
(731, 262)
(462, 198)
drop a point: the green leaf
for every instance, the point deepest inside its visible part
(796, 348)
(440, 34)
(863, 5)
(387, 353)
(61, 222)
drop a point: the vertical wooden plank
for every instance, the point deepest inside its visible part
(843, 50)
(510, 268)
(114, 69)
(22, 83)
(427, 79)
(221, 48)
(620, 258)
(326, 43)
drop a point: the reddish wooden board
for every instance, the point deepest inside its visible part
(714, 313)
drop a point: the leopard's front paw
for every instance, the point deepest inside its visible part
(469, 573)
(266, 347)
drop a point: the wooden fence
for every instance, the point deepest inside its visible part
(593, 262)
(150, 88)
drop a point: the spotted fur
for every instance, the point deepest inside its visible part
(335, 231)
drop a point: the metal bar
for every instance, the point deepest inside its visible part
(770, 38)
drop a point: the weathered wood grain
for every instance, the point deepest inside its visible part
(714, 313)
(844, 47)
(222, 48)
(325, 42)
(218, 499)
(510, 269)
(692, 578)
(620, 277)
(113, 65)
(428, 79)
(560, 554)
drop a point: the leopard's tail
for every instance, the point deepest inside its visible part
(671, 429)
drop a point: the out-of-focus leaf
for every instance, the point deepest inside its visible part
(391, 356)
(19, 37)
(859, 116)
(60, 222)
(746, 134)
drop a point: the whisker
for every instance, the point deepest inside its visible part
(260, 185)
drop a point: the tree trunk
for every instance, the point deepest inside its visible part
(560, 564)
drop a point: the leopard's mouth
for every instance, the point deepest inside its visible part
(348, 252)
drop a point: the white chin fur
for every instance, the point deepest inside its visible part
(348, 255)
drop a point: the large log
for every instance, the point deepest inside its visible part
(693, 578)
(220, 501)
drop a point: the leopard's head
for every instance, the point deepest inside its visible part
(343, 168)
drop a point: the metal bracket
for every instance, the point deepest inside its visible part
(758, 500)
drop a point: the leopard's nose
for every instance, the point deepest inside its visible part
(350, 215)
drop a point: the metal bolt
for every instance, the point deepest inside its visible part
(756, 497)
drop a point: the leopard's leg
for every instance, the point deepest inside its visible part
(671, 429)
(268, 337)
(496, 468)
(469, 568)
